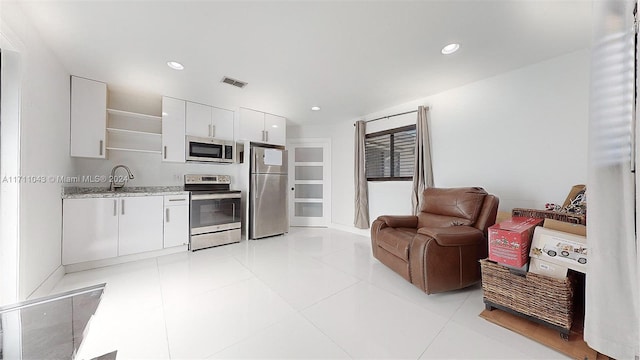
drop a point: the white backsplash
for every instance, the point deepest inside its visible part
(148, 169)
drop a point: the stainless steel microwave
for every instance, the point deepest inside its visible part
(202, 149)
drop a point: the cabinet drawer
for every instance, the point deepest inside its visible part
(174, 200)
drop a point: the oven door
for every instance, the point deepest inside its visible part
(214, 212)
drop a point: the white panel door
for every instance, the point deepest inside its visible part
(140, 224)
(88, 118)
(310, 182)
(222, 121)
(89, 229)
(173, 130)
(198, 120)
(251, 125)
(275, 128)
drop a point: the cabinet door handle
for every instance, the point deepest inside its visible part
(165, 152)
(122, 207)
(263, 136)
(209, 130)
(115, 207)
(177, 199)
(101, 143)
(266, 138)
(167, 215)
(213, 130)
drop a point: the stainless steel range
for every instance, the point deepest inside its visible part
(215, 211)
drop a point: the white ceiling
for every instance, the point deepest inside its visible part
(350, 58)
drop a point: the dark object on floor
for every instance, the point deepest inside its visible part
(439, 249)
(575, 347)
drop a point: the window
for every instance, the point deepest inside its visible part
(389, 154)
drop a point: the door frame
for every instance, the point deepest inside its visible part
(326, 203)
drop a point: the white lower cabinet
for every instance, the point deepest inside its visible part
(176, 220)
(140, 225)
(89, 229)
(102, 228)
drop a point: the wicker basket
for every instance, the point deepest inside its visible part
(548, 214)
(536, 296)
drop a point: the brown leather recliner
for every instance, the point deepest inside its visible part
(438, 250)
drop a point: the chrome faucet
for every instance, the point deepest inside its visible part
(117, 184)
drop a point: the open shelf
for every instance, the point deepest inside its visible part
(130, 114)
(135, 150)
(137, 132)
(133, 140)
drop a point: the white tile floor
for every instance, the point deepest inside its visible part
(314, 293)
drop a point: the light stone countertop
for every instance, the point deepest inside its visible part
(75, 192)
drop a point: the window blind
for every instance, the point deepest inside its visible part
(389, 154)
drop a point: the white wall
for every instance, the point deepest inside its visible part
(10, 73)
(44, 126)
(521, 135)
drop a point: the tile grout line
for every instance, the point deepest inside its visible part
(433, 340)
(331, 295)
(255, 276)
(164, 314)
(320, 330)
(298, 311)
(449, 320)
(326, 335)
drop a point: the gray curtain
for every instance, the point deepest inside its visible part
(422, 170)
(361, 218)
(612, 307)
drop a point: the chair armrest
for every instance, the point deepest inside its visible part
(454, 235)
(404, 221)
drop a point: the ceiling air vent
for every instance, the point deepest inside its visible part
(234, 82)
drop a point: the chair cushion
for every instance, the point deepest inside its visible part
(435, 220)
(460, 205)
(396, 241)
(454, 235)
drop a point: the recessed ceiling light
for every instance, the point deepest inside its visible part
(175, 65)
(450, 49)
(315, 108)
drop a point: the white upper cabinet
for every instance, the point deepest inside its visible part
(198, 120)
(275, 129)
(262, 127)
(251, 125)
(209, 121)
(88, 118)
(173, 130)
(222, 122)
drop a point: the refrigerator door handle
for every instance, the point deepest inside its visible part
(255, 189)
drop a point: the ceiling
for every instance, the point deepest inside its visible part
(350, 58)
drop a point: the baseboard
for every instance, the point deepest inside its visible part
(48, 284)
(351, 229)
(87, 265)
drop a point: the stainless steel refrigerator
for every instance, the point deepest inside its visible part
(268, 214)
